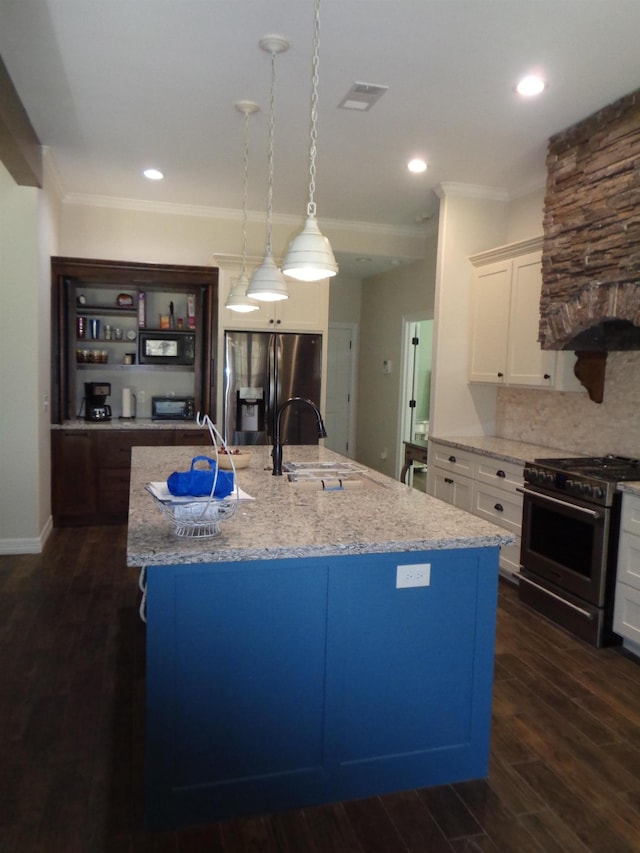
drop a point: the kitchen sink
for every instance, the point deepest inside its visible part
(327, 476)
(322, 468)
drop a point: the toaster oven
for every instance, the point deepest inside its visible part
(173, 409)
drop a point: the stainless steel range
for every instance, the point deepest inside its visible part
(570, 525)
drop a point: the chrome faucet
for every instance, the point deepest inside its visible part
(277, 445)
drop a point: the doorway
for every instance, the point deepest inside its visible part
(417, 342)
(341, 383)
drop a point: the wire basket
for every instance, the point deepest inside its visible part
(200, 519)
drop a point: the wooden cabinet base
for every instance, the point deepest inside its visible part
(90, 471)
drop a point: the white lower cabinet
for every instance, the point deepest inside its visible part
(626, 614)
(485, 486)
(453, 488)
(452, 475)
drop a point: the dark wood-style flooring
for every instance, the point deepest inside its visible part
(565, 766)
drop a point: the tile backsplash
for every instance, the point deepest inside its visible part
(570, 421)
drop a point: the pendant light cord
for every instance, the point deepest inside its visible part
(272, 99)
(245, 194)
(311, 206)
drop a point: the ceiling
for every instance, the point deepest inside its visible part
(113, 86)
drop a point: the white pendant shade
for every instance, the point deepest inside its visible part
(237, 300)
(267, 282)
(310, 256)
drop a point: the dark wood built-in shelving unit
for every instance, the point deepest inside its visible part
(90, 466)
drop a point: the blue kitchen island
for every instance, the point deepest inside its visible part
(286, 667)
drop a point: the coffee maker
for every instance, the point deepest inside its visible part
(95, 407)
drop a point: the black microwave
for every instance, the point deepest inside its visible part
(166, 347)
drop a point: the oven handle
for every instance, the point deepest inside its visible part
(594, 513)
(580, 610)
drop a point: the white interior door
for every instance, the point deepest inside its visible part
(415, 404)
(338, 415)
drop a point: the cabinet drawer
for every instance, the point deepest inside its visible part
(453, 488)
(498, 506)
(114, 448)
(631, 514)
(451, 459)
(191, 437)
(629, 560)
(417, 456)
(508, 476)
(626, 612)
(113, 490)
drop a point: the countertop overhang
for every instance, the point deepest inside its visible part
(127, 423)
(284, 521)
(509, 450)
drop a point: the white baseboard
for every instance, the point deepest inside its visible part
(27, 546)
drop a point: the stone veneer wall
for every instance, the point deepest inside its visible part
(570, 421)
(591, 249)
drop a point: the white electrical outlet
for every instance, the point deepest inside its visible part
(416, 575)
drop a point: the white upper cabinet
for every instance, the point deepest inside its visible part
(306, 309)
(490, 296)
(505, 316)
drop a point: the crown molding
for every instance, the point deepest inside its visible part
(451, 188)
(205, 212)
(510, 250)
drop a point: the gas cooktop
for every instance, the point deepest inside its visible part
(611, 468)
(592, 478)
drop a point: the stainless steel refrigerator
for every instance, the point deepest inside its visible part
(262, 370)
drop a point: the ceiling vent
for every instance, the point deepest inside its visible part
(362, 96)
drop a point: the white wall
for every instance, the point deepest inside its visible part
(345, 295)
(386, 298)
(525, 216)
(469, 223)
(28, 225)
(182, 234)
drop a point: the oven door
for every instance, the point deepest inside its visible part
(564, 541)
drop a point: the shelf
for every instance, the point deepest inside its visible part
(101, 343)
(85, 310)
(164, 368)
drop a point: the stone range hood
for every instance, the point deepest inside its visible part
(590, 300)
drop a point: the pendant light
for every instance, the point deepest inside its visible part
(237, 299)
(310, 256)
(267, 282)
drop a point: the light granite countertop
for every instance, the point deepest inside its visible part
(504, 448)
(630, 488)
(127, 423)
(286, 521)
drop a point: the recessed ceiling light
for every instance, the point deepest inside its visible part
(153, 174)
(530, 85)
(417, 165)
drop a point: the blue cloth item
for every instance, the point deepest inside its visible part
(198, 482)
